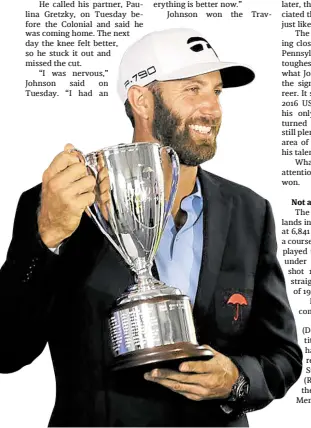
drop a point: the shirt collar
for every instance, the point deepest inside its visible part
(194, 201)
(193, 205)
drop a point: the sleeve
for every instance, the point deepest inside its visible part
(272, 359)
(26, 290)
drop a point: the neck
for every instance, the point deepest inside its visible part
(141, 135)
(188, 175)
(186, 184)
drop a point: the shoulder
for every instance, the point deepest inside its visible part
(231, 187)
(242, 196)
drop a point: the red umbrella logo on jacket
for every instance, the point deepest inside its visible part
(238, 300)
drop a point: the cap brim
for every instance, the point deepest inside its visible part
(232, 74)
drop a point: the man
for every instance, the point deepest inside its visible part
(226, 262)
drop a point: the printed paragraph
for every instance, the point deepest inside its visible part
(209, 10)
(69, 45)
(296, 91)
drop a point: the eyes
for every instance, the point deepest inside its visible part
(196, 89)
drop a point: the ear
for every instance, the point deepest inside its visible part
(141, 101)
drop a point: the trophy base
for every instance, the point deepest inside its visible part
(168, 356)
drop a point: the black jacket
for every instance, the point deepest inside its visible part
(65, 300)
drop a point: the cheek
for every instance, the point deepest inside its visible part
(182, 103)
(218, 111)
(184, 112)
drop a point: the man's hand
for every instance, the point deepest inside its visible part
(103, 196)
(67, 190)
(199, 380)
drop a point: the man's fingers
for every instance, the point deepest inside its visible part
(105, 212)
(65, 178)
(206, 379)
(193, 397)
(179, 386)
(86, 199)
(103, 174)
(197, 367)
(84, 185)
(103, 188)
(60, 163)
(100, 160)
(201, 366)
(104, 199)
(104, 185)
(68, 147)
(74, 173)
(177, 376)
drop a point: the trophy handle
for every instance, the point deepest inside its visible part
(103, 225)
(175, 177)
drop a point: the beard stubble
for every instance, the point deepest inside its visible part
(166, 129)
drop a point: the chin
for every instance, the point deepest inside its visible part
(195, 160)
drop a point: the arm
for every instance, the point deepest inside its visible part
(26, 295)
(28, 278)
(273, 360)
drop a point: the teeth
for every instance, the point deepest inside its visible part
(200, 128)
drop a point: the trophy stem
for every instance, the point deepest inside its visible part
(144, 278)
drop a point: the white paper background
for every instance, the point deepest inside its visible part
(34, 130)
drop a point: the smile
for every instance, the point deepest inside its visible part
(201, 129)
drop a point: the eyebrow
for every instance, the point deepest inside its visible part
(186, 81)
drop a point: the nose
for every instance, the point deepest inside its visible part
(209, 104)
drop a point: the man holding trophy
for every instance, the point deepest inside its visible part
(128, 350)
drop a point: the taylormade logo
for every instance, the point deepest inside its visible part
(198, 46)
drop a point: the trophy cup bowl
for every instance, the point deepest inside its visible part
(150, 322)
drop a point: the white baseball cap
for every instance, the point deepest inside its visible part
(173, 54)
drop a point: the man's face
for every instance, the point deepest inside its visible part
(187, 116)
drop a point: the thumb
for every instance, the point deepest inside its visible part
(68, 147)
(199, 366)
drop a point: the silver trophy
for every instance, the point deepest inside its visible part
(150, 322)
